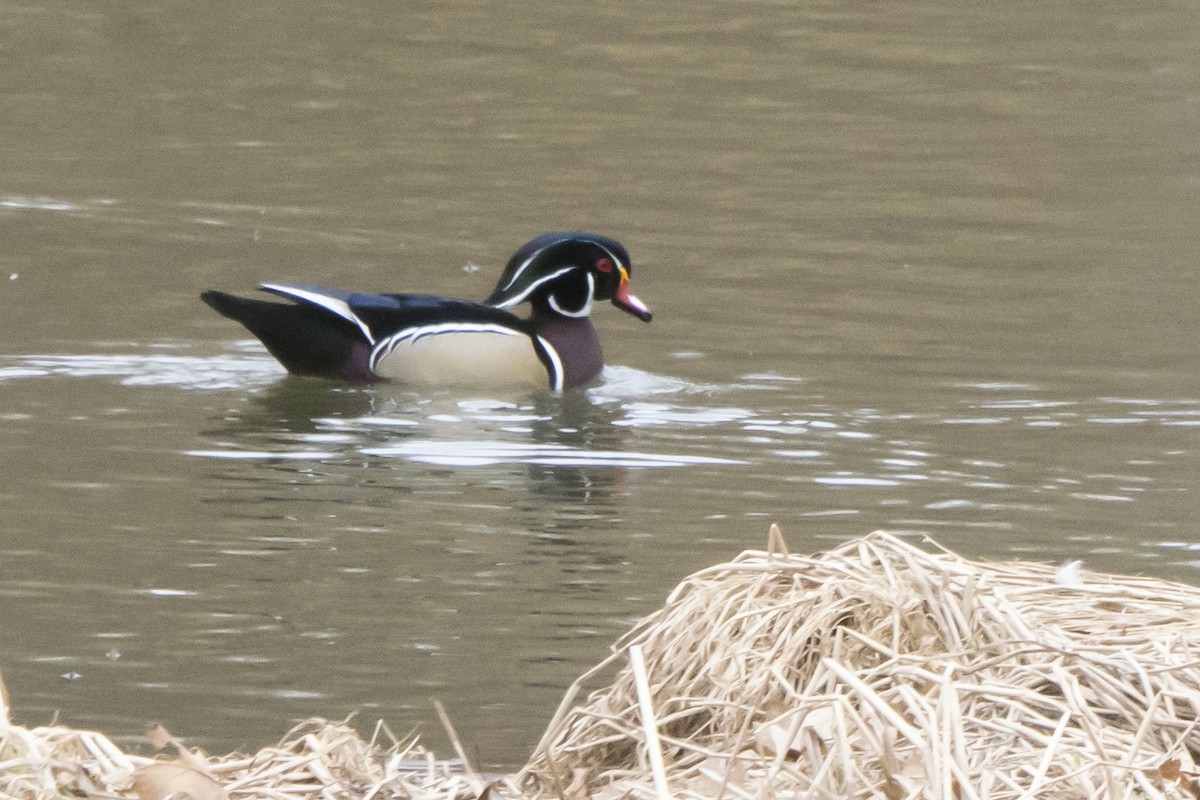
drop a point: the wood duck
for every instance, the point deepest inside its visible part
(426, 340)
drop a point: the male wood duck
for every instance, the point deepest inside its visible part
(426, 340)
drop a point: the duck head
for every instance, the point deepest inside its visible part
(560, 274)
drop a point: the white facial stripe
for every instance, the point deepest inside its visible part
(556, 367)
(587, 306)
(411, 335)
(521, 268)
(523, 296)
(333, 305)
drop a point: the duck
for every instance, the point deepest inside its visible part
(429, 340)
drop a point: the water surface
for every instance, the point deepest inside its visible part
(927, 269)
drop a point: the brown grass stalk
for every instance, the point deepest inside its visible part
(878, 669)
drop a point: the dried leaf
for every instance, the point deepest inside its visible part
(892, 789)
(717, 772)
(775, 737)
(821, 721)
(159, 737)
(775, 542)
(5, 703)
(578, 790)
(613, 793)
(1171, 770)
(158, 781)
(782, 735)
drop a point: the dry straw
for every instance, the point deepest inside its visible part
(878, 669)
(883, 670)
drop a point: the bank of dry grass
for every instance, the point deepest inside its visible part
(878, 669)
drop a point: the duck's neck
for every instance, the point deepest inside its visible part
(577, 345)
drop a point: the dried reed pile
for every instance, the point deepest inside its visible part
(881, 670)
(875, 670)
(318, 759)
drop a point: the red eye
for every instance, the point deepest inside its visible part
(604, 265)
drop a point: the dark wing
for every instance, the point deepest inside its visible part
(331, 300)
(331, 334)
(305, 337)
(385, 314)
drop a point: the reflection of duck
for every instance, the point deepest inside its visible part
(421, 339)
(404, 440)
(292, 407)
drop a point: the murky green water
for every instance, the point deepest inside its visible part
(927, 268)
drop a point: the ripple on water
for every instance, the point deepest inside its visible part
(266, 455)
(485, 453)
(158, 369)
(854, 480)
(38, 204)
(640, 414)
(663, 420)
(622, 383)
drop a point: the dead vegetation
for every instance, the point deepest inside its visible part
(878, 669)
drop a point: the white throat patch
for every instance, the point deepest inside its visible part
(586, 309)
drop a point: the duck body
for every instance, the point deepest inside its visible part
(427, 340)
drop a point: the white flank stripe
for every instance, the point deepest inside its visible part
(556, 367)
(411, 335)
(331, 304)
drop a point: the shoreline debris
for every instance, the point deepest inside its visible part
(878, 669)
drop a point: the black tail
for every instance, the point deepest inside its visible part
(305, 339)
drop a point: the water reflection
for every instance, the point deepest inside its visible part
(546, 464)
(924, 267)
(170, 366)
(574, 429)
(362, 528)
(989, 454)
